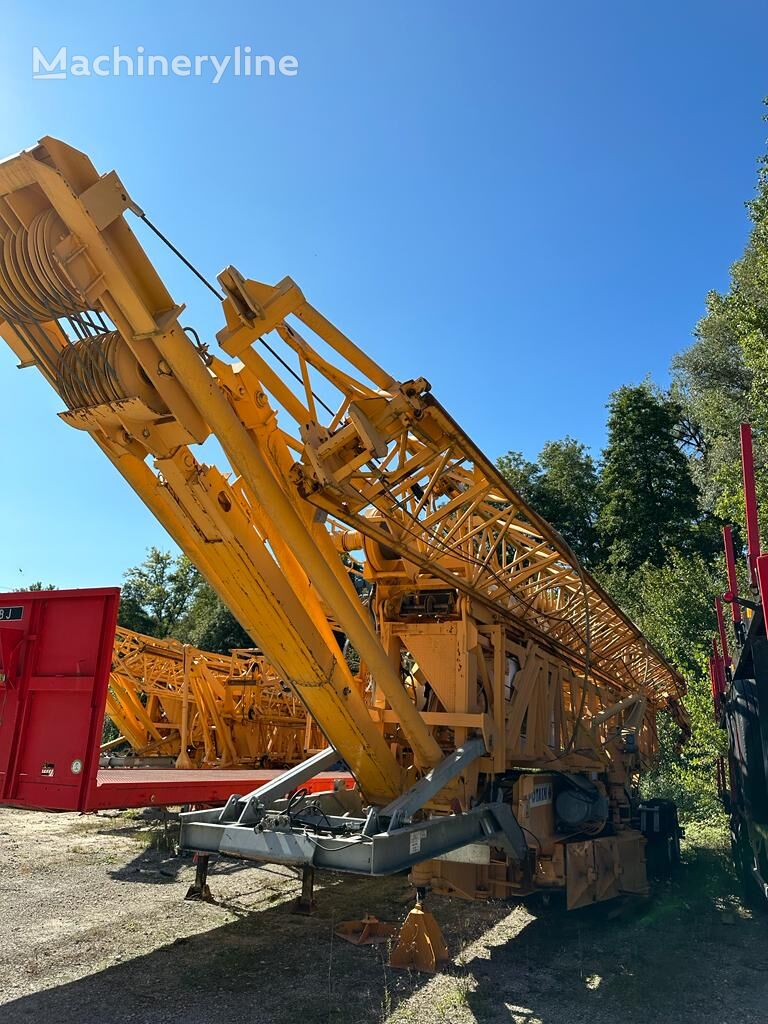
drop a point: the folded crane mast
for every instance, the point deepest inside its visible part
(200, 709)
(503, 708)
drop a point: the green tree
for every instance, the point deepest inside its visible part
(713, 384)
(650, 503)
(209, 624)
(673, 605)
(568, 495)
(722, 380)
(158, 594)
(521, 474)
(562, 486)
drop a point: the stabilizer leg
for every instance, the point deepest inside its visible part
(199, 889)
(306, 903)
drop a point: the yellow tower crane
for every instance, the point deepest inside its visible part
(504, 707)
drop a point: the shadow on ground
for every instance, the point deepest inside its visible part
(270, 966)
(690, 954)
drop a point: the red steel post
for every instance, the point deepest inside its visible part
(750, 501)
(721, 631)
(730, 564)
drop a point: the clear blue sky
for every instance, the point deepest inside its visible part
(526, 203)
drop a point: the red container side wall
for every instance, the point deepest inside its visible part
(55, 658)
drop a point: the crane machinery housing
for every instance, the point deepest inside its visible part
(503, 708)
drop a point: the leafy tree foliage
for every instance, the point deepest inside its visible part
(722, 380)
(712, 384)
(167, 596)
(562, 486)
(650, 501)
(158, 594)
(673, 606)
(569, 495)
(210, 625)
(523, 475)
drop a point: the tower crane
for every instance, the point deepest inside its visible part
(500, 708)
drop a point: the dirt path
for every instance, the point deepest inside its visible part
(93, 929)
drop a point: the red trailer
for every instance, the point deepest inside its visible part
(55, 659)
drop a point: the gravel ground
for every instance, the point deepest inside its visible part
(94, 928)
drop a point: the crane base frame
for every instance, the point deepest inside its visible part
(383, 842)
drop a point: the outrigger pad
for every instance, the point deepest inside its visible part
(197, 892)
(367, 931)
(421, 945)
(199, 889)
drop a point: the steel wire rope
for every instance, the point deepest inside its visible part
(222, 298)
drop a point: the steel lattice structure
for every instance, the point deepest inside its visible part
(172, 699)
(489, 659)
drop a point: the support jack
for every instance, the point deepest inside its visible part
(367, 932)
(306, 903)
(199, 889)
(417, 945)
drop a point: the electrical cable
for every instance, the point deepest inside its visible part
(294, 798)
(533, 836)
(201, 347)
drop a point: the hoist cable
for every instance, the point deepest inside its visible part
(182, 257)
